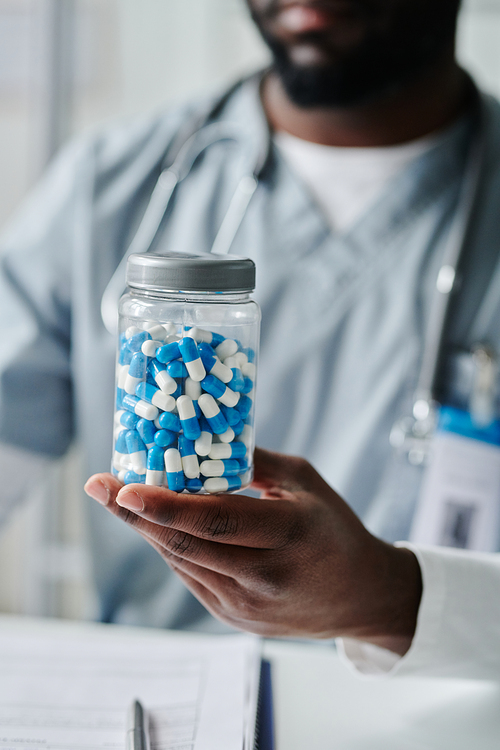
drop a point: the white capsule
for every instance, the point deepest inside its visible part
(185, 407)
(227, 436)
(149, 347)
(170, 328)
(215, 485)
(221, 371)
(138, 461)
(190, 466)
(229, 397)
(192, 388)
(226, 349)
(203, 444)
(242, 359)
(212, 468)
(208, 405)
(156, 331)
(145, 410)
(163, 401)
(155, 478)
(220, 450)
(131, 331)
(172, 337)
(165, 383)
(122, 372)
(173, 461)
(249, 370)
(131, 384)
(196, 369)
(198, 334)
(246, 436)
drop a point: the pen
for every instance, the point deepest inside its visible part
(137, 728)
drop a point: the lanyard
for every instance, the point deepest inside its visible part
(412, 434)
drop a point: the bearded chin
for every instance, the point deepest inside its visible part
(380, 66)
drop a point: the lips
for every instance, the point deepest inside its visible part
(302, 18)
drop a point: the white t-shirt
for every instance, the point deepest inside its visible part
(346, 182)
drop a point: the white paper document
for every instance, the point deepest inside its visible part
(70, 689)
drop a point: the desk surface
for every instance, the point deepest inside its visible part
(321, 705)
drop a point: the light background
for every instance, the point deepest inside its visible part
(118, 58)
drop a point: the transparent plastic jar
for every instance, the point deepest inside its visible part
(186, 373)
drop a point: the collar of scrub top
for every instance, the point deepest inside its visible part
(412, 434)
(198, 134)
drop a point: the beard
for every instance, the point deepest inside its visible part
(389, 58)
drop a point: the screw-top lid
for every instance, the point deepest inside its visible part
(181, 272)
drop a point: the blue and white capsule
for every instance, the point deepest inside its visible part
(187, 415)
(194, 485)
(206, 337)
(165, 438)
(191, 358)
(147, 431)
(154, 396)
(177, 369)
(169, 421)
(244, 406)
(192, 388)
(136, 372)
(173, 467)
(203, 444)
(155, 474)
(149, 348)
(226, 348)
(120, 454)
(135, 342)
(163, 380)
(213, 414)
(139, 407)
(215, 485)
(137, 451)
(237, 381)
(156, 331)
(218, 390)
(168, 352)
(227, 450)
(226, 467)
(190, 464)
(213, 365)
(131, 477)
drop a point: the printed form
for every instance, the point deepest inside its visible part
(70, 689)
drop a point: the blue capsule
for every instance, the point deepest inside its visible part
(213, 414)
(194, 485)
(135, 342)
(187, 415)
(247, 385)
(173, 466)
(125, 355)
(132, 478)
(244, 406)
(168, 352)
(189, 458)
(146, 430)
(164, 438)
(213, 385)
(120, 394)
(169, 421)
(177, 369)
(232, 416)
(155, 474)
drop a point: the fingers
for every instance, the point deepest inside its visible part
(284, 474)
(227, 519)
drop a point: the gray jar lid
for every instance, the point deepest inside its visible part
(181, 272)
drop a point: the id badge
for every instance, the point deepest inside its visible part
(459, 502)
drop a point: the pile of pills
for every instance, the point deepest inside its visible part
(184, 409)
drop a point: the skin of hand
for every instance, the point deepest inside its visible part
(295, 562)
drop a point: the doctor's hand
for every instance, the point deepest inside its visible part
(294, 562)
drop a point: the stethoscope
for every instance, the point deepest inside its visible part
(410, 435)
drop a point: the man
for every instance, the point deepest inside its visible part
(347, 259)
